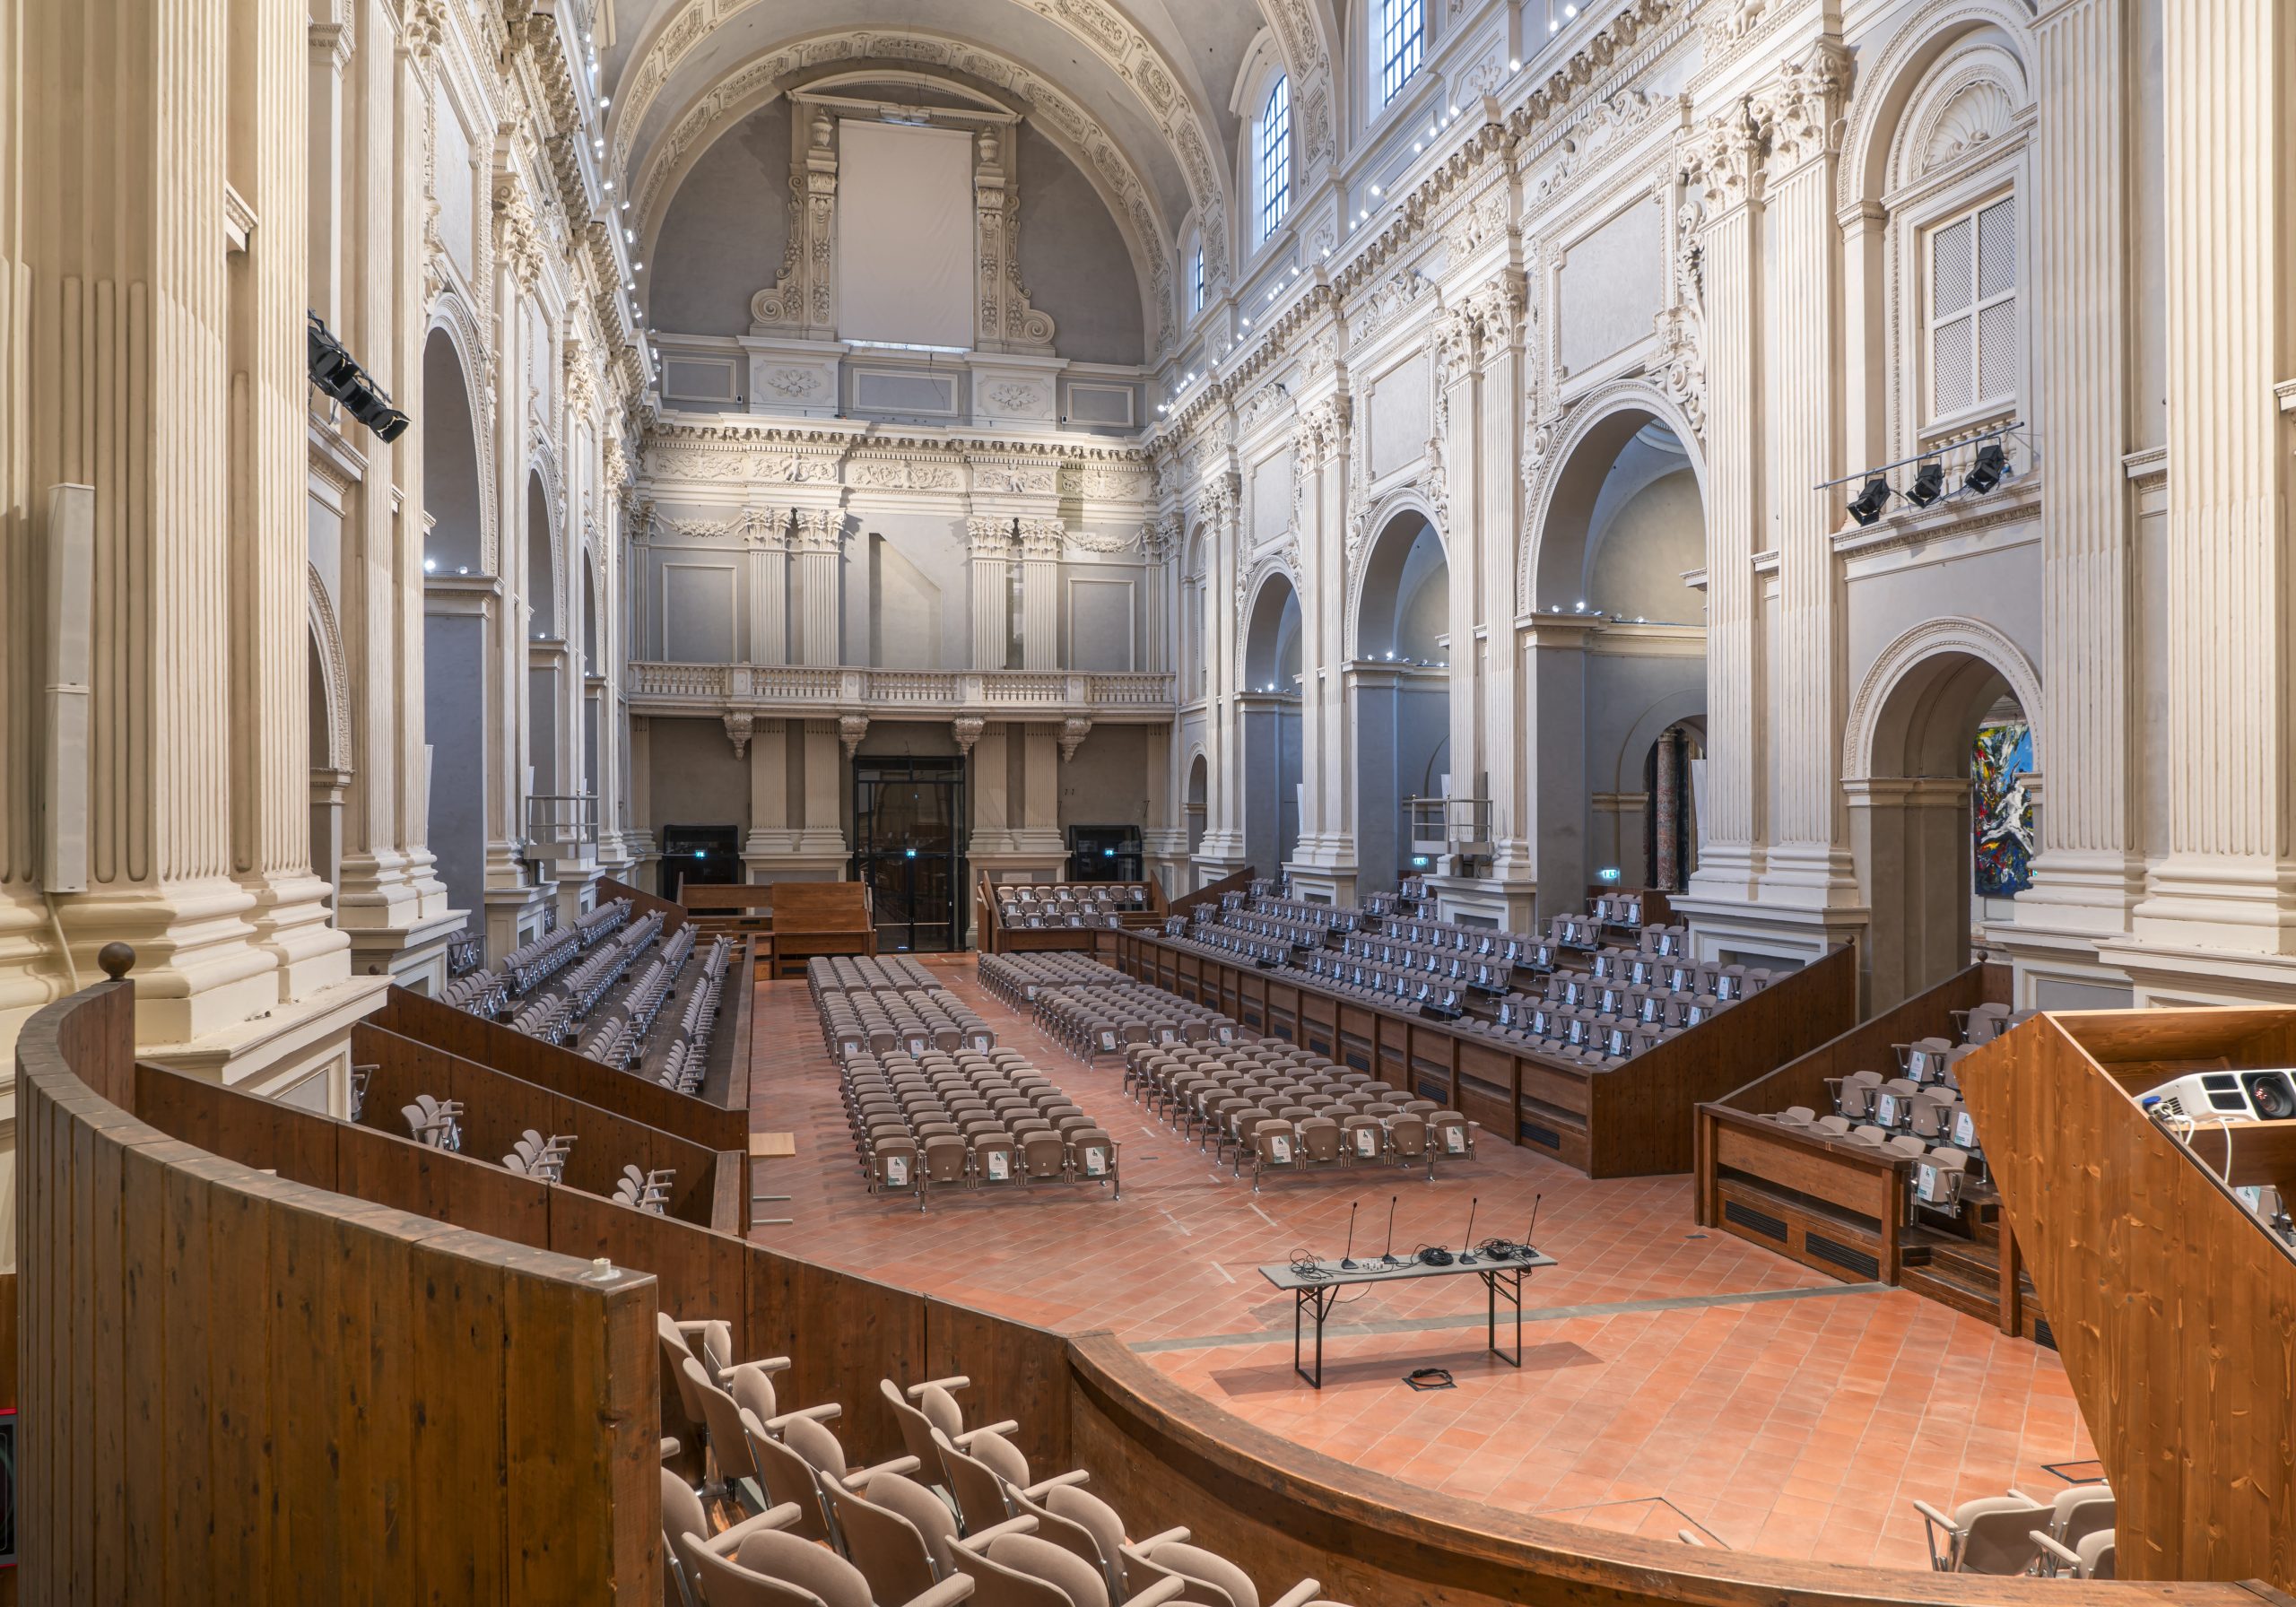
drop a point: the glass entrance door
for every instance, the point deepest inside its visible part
(909, 840)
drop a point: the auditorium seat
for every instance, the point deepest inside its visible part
(1011, 1566)
(897, 1533)
(1206, 1577)
(684, 1517)
(2091, 1559)
(772, 1569)
(931, 1405)
(1992, 1534)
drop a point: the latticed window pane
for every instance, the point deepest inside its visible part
(1952, 365)
(1996, 351)
(1276, 158)
(1997, 249)
(1403, 36)
(1199, 279)
(1949, 279)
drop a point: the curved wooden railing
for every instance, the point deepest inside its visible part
(246, 1387)
(236, 1386)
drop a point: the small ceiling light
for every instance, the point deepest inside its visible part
(604, 101)
(629, 237)
(1991, 467)
(1513, 67)
(638, 267)
(625, 206)
(1455, 111)
(429, 566)
(1928, 485)
(1417, 146)
(1248, 322)
(1570, 11)
(1869, 504)
(1553, 25)
(1295, 272)
(609, 184)
(1375, 189)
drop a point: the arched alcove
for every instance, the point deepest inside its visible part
(455, 543)
(592, 671)
(1621, 521)
(1940, 741)
(1269, 708)
(545, 669)
(1199, 782)
(1400, 700)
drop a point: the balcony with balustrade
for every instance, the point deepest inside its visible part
(802, 689)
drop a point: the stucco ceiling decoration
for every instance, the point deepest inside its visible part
(1185, 125)
(1082, 137)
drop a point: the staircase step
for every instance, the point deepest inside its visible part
(1981, 1302)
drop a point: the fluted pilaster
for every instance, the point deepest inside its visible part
(765, 540)
(990, 539)
(818, 548)
(1041, 541)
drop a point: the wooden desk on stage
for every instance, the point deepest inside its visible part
(791, 921)
(1316, 1285)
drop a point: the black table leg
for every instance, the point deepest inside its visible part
(1491, 1284)
(1319, 1296)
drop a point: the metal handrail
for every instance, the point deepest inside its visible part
(562, 819)
(1447, 825)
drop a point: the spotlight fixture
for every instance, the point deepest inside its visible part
(1991, 467)
(1867, 506)
(338, 373)
(1928, 485)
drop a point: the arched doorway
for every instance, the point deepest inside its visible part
(1942, 825)
(1400, 700)
(1269, 708)
(455, 626)
(545, 638)
(1617, 640)
(1670, 816)
(1199, 783)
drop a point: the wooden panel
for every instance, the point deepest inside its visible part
(1212, 892)
(530, 1060)
(1018, 1372)
(231, 1377)
(2174, 1309)
(1633, 1120)
(641, 902)
(1870, 1184)
(1870, 1044)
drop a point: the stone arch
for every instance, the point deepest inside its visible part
(331, 717)
(458, 480)
(1870, 740)
(1886, 86)
(1403, 501)
(1255, 597)
(1593, 434)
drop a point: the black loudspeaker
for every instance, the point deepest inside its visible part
(2271, 1094)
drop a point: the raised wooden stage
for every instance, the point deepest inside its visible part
(1630, 1121)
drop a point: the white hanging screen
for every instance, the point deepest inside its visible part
(904, 234)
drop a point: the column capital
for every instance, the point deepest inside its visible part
(765, 529)
(819, 529)
(1722, 161)
(990, 536)
(1043, 540)
(738, 731)
(1799, 112)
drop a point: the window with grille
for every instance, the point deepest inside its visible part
(1196, 280)
(1403, 37)
(1973, 310)
(1275, 157)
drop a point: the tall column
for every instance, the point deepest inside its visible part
(767, 545)
(818, 548)
(269, 594)
(1038, 831)
(1666, 803)
(1725, 170)
(990, 537)
(1041, 543)
(1808, 864)
(1459, 382)
(517, 269)
(2227, 881)
(1554, 648)
(1222, 847)
(823, 831)
(1497, 308)
(125, 361)
(992, 793)
(2089, 871)
(1327, 742)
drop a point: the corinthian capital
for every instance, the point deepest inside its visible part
(989, 537)
(819, 529)
(1800, 112)
(1722, 161)
(1043, 539)
(766, 527)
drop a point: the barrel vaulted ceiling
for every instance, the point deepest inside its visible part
(1138, 91)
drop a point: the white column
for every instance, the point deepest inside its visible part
(2228, 881)
(1039, 829)
(1327, 742)
(818, 563)
(1223, 848)
(1459, 389)
(770, 834)
(1497, 308)
(1554, 726)
(2089, 873)
(1726, 168)
(1041, 543)
(823, 831)
(990, 537)
(767, 539)
(1808, 864)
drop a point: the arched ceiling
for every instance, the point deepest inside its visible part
(1155, 74)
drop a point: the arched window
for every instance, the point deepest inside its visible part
(1195, 280)
(1275, 157)
(1403, 41)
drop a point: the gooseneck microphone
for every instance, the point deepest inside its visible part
(1534, 1228)
(1466, 1246)
(1387, 1255)
(1347, 1257)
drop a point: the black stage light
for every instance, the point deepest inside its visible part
(338, 373)
(1991, 466)
(1928, 485)
(1869, 504)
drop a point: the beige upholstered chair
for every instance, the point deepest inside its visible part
(1013, 1567)
(1993, 1534)
(1205, 1577)
(775, 1570)
(683, 1515)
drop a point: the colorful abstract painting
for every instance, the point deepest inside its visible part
(2000, 812)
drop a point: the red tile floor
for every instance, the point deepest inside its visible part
(1672, 1378)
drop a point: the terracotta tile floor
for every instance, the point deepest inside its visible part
(1672, 1378)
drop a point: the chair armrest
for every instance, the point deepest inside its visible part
(955, 1381)
(670, 1447)
(965, 1440)
(858, 1479)
(1935, 1517)
(729, 1540)
(692, 1327)
(1178, 1536)
(979, 1539)
(820, 1414)
(1300, 1594)
(1038, 1491)
(1167, 1589)
(952, 1590)
(2061, 1556)
(766, 1364)
(2021, 1496)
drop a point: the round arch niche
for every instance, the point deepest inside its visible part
(1269, 708)
(456, 542)
(1399, 696)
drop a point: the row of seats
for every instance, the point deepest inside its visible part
(1016, 978)
(1102, 1019)
(437, 1122)
(961, 1514)
(1285, 1108)
(1400, 989)
(645, 1191)
(530, 965)
(534, 1155)
(594, 925)
(1123, 895)
(939, 1122)
(865, 974)
(917, 1020)
(2070, 1535)
(1069, 904)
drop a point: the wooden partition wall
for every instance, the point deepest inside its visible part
(2173, 1306)
(1833, 1205)
(990, 935)
(1212, 892)
(241, 1388)
(1630, 1121)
